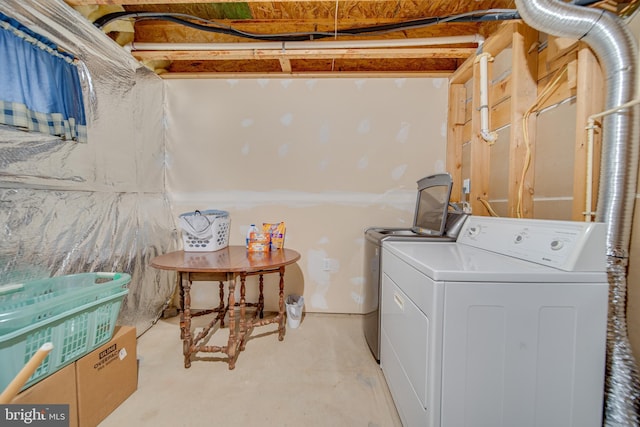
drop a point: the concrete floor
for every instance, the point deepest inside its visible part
(322, 374)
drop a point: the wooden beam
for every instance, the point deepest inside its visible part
(311, 75)
(480, 151)
(456, 120)
(524, 65)
(226, 55)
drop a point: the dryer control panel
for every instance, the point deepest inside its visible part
(566, 245)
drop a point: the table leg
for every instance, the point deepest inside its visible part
(187, 339)
(221, 306)
(231, 345)
(281, 328)
(261, 298)
(181, 304)
(243, 311)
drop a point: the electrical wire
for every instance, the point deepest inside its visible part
(487, 206)
(549, 88)
(585, 2)
(213, 26)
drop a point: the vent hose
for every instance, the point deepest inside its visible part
(617, 51)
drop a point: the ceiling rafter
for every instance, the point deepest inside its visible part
(208, 55)
(282, 17)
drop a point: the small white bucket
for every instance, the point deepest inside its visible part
(294, 304)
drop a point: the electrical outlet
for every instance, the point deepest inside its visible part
(466, 186)
(326, 264)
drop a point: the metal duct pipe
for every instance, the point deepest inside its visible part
(616, 49)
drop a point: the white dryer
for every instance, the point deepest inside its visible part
(504, 327)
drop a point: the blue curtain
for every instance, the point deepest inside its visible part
(40, 87)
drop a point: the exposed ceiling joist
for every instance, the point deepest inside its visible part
(251, 21)
(221, 55)
(315, 75)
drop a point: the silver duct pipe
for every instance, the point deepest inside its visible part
(616, 49)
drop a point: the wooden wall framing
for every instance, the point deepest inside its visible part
(511, 96)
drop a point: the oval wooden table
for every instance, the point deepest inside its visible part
(225, 266)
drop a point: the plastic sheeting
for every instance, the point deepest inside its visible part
(68, 208)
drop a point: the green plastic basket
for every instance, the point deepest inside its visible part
(22, 304)
(73, 334)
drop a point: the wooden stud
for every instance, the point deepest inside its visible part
(457, 106)
(480, 151)
(523, 95)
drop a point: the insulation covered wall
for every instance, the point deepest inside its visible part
(330, 157)
(68, 207)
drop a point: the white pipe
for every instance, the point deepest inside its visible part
(588, 214)
(591, 125)
(488, 136)
(347, 44)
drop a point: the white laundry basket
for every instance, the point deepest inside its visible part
(205, 231)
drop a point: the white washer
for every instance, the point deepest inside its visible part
(504, 327)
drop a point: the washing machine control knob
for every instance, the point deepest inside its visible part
(556, 245)
(474, 230)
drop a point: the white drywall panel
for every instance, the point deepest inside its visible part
(330, 157)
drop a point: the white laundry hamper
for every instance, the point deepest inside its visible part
(205, 231)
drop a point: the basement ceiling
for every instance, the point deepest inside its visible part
(178, 38)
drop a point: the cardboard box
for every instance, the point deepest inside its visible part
(58, 388)
(106, 377)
